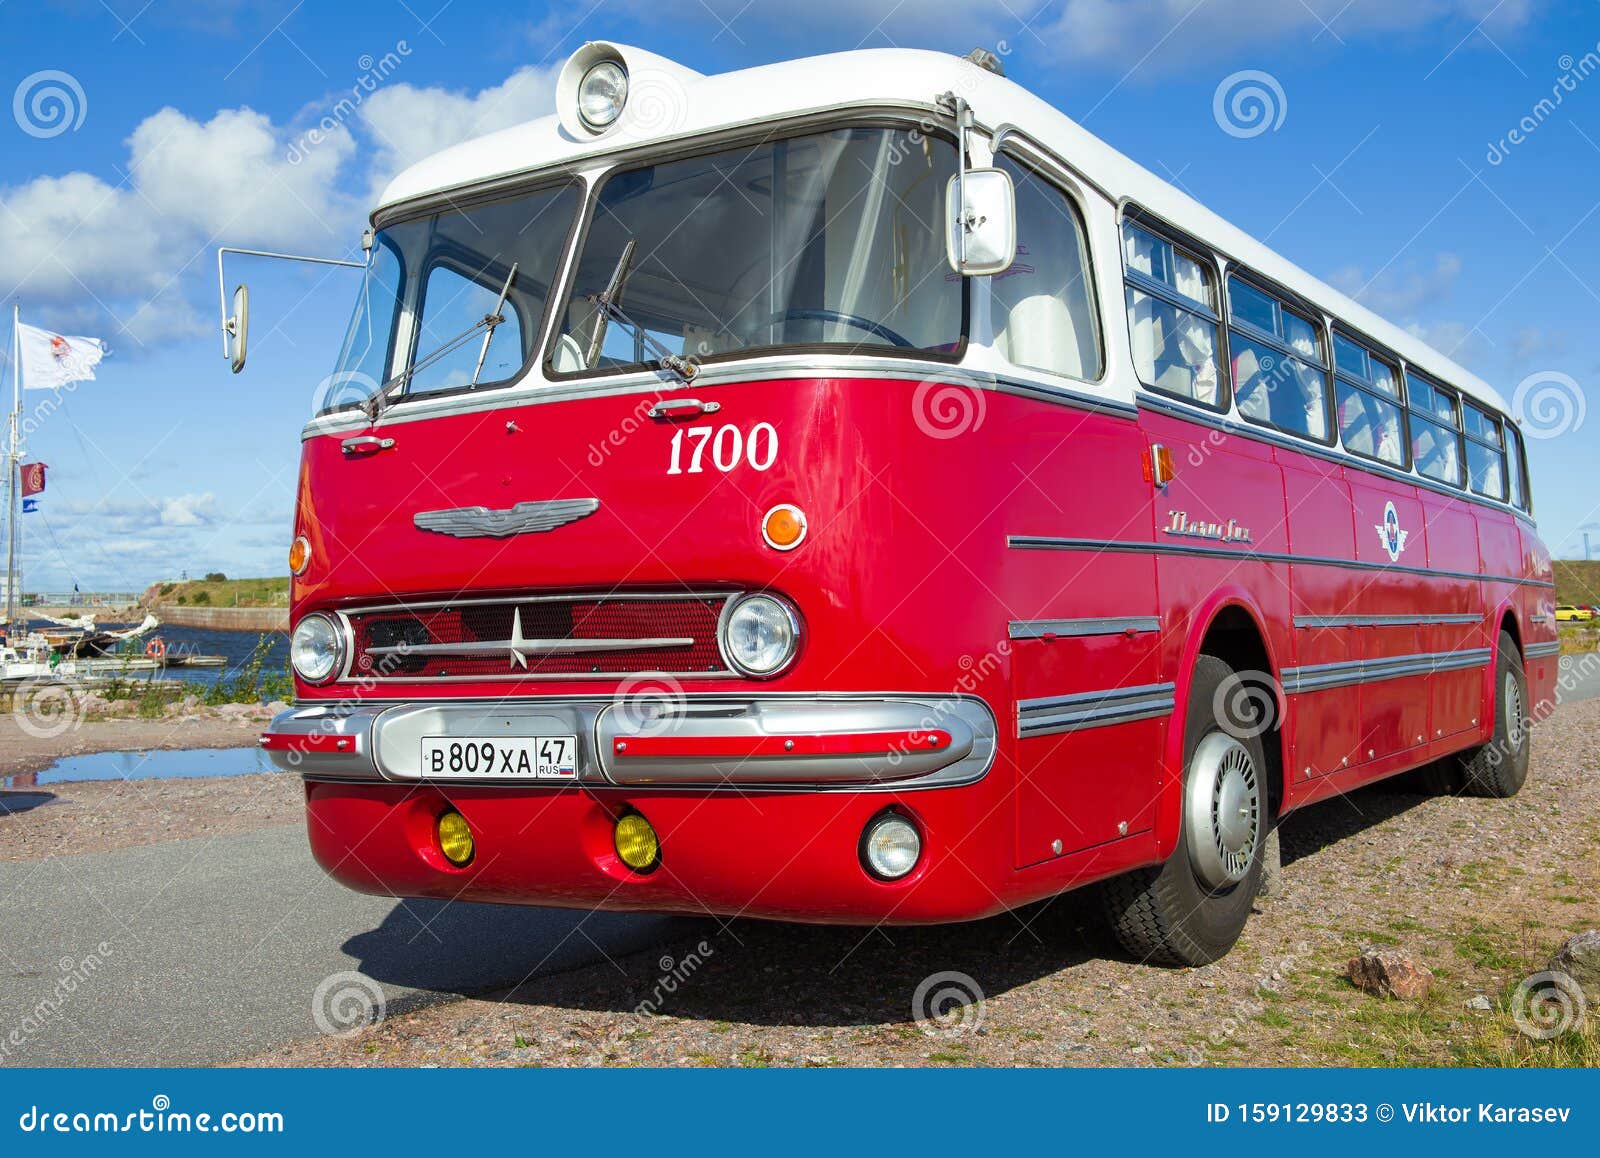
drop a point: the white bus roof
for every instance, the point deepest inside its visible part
(668, 101)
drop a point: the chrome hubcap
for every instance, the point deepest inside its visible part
(1511, 702)
(1222, 811)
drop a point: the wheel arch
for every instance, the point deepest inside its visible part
(1231, 627)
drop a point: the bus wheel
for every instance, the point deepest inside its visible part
(1191, 910)
(1500, 767)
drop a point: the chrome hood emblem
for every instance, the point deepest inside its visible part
(523, 519)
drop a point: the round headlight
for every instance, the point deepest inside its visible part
(891, 846)
(316, 648)
(760, 634)
(601, 94)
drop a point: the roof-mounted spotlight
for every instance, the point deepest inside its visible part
(595, 84)
(592, 89)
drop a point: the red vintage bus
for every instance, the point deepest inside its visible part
(848, 491)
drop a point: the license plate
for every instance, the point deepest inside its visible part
(500, 757)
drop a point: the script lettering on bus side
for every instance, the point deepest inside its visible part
(1228, 532)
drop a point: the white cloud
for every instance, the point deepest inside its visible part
(409, 123)
(189, 511)
(1401, 291)
(1176, 32)
(84, 247)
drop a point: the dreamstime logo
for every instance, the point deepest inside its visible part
(657, 102)
(342, 388)
(948, 1003)
(1247, 704)
(46, 708)
(48, 103)
(1549, 404)
(948, 405)
(1248, 103)
(648, 703)
(346, 1003)
(1548, 1005)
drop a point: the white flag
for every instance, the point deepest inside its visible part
(50, 360)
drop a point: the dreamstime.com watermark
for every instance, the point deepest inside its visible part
(1249, 103)
(347, 1002)
(1549, 404)
(675, 973)
(948, 1003)
(1549, 1004)
(48, 103)
(75, 974)
(160, 1118)
(374, 74)
(1573, 73)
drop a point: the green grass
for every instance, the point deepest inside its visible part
(269, 592)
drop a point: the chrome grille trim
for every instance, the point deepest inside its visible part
(527, 647)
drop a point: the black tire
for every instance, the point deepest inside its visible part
(1168, 915)
(1499, 769)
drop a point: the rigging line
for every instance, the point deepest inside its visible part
(51, 531)
(94, 475)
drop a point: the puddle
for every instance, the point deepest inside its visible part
(146, 766)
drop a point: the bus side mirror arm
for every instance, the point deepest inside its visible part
(980, 207)
(236, 326)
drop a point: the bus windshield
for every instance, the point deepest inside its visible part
(419, 324)
(829, 240)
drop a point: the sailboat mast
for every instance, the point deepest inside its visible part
(12, 481)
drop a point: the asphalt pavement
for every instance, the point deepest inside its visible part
(202, 951)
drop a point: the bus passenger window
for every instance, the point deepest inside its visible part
(1486, 460)
(1278, 365)
(1518, 468)
(1371, 423)
(1435, 447)
(1172, 319)
(1043, 306)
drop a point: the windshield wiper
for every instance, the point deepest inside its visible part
(605, 303)
(374, 405)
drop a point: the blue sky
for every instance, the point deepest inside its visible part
(1391, 174)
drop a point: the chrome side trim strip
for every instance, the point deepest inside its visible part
(1110, 625)
(1324, 621)
(1055, 543)
(1052, 714)
(1323, 676)
(1541, 650)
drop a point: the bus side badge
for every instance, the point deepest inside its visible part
(1390, 534)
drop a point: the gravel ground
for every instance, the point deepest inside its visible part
(97, 815)
(1480, 891)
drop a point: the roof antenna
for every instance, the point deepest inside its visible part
(986, 60)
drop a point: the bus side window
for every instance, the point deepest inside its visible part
(1044, 313)
(1486, 458)
(1517, 468)
(1371, 423)
(1172, 319)
(1435, 446)
(1279, 369)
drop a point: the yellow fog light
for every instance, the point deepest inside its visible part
(636, 841)
(783, 527)
(299, 555)
(455, 838)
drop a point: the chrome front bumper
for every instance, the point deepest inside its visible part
(839, 741)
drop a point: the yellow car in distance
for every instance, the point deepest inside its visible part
(1569, 614)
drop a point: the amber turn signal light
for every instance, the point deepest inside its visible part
(299, 555)
(783, 527)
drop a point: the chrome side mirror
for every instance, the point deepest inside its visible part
(981, 222)
(237, 327)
